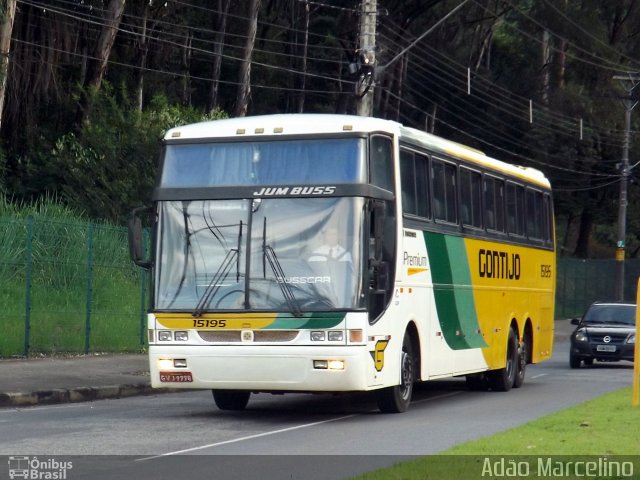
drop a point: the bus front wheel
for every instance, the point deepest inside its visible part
(396, 399)
(231, 399)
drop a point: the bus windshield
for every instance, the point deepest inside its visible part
(285, 255)
(276, 162)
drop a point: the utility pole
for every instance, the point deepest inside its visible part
(629, 82)
(367, 57)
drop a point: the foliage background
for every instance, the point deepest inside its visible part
(84, 111)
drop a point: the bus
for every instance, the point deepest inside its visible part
(445, 267)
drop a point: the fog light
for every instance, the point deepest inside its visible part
(181, 336)
(165, 364)
(355, 336)
(336, 364)
(317, 337)
(320, 364)
(180, 362)
(336, 336)
(164, 336)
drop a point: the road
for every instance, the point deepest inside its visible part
(313, 436)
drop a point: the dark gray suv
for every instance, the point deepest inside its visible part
(606, 332)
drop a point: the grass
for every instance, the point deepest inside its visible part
(66, 250)
(604, 428)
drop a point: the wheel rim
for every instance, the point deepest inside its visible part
(407, 375)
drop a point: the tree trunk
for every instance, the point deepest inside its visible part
(97, 66)
(186, 69)
(546, 67)
(7, 15)
(303, 67)
(582, 244)
(143, 45)
(244, 80)
(218, 47)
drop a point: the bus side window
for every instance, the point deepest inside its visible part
(381, 162)
(414, 183)
(515, 209)
(494, 203)
(534, 214)
(470, 198)
(444, 191)
(548, 220)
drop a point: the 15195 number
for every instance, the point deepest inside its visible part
(206, 323)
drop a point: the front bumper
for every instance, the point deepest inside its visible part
(260, 368)
(587, 350)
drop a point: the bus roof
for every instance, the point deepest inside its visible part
(433, 142)
(308, 124)
(282, 124)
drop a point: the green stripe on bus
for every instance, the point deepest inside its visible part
(308, 320)
(453, 291)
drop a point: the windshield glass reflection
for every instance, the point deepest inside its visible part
(303, 255)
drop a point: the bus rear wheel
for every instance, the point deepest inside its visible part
(396, 399)
(503, 379)
(523, 355)
(231, 399)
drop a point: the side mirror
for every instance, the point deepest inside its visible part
(136, 239)
(575, 321)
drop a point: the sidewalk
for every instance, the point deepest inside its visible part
(36, 381)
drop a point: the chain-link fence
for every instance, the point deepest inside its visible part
(581, 282)
(68, 287)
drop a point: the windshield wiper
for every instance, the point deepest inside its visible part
(270, 255)
(221, 274)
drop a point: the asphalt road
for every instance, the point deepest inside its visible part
(290, 436)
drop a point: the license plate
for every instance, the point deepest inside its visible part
(606, 348)
(176, 377)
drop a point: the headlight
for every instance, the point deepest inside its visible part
(164, 336)
(632, 338)
(581, 336)
(317, 336)
(336, 336)
(181, 336)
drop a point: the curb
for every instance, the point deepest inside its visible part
(80, 394)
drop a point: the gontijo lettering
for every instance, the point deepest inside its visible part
(497, 264)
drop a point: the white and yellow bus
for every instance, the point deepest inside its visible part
(444, 266)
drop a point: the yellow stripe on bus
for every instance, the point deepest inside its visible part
(215, 321)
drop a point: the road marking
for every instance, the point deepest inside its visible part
(437, 397)
(282, 430)
(38, 409)
(248, 437)
(538, 376)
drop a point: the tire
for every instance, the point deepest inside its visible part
(231, 399)
(396, 399)
(523, 353)
(574, 361)
(503, 379)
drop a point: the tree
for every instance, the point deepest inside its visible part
(244, 78)
(7, 16)
(97, 64)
